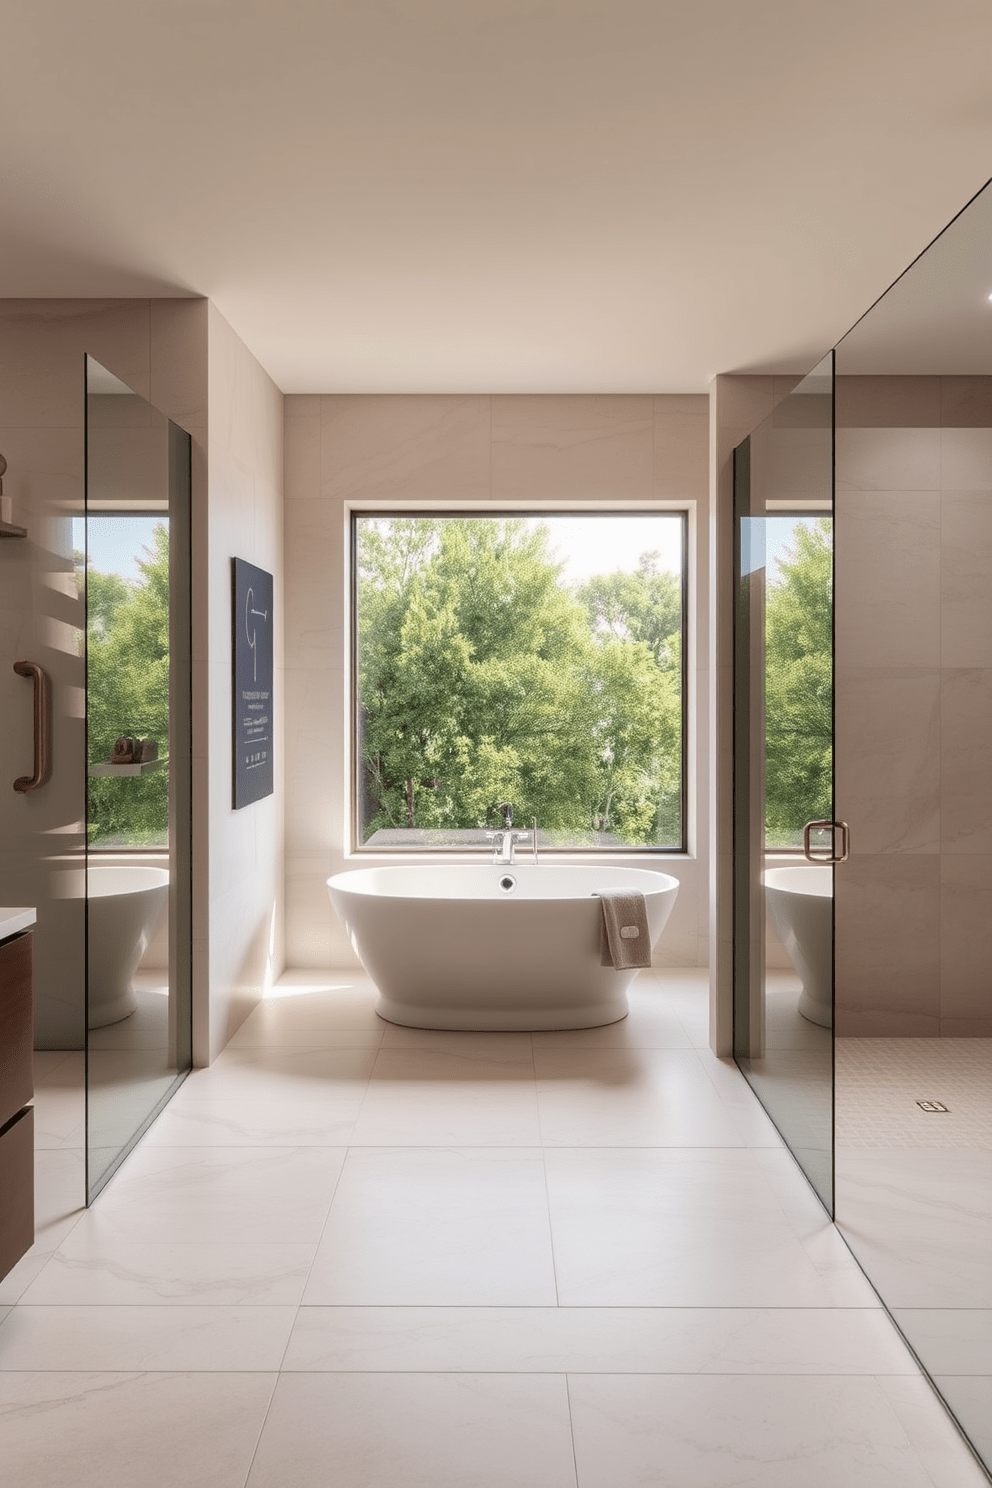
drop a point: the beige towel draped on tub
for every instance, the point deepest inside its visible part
(624, 937)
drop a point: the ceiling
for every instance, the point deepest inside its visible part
(936, 319)
(516, 196)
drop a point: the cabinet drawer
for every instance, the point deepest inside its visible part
(16, 1190)
(16, 1025)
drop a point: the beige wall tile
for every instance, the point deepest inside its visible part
(575, 448)
(791, 464)
(966, 945)
(405, 448)
(313, 786)
(695, 403)
(966, 563)
(314, 935)
(887, 963)
(965, 755)
(888, 459)
(302, 473)
(118, 335)
(966, 402)
(888, 578)
(681, 450)
(966, 459)
(888, 758)
(316, 617)
(679, 944)
(178, 362)
(302, 405)
(888, 402)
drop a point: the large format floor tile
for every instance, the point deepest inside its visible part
(417, 1431)
(437, 1227)
(931, 1432)
(159, 1338)
(116, 1430)
(293, 1099)
(598, 1340)
(673, 1228)
(673, 1431)
(96, 1266)
(630, 1098)
(465, 1097)
(274, 1195)
(903, 1211)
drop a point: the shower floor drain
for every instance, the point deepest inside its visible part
(932, 1106)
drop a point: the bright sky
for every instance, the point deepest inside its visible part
(587, 545)
(116, 543)
(770, 539)
(601, 544)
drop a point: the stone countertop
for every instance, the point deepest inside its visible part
(14, 920)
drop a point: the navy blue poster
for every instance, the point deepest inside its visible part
(252, 683)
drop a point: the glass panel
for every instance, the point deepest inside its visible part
(42, 830)
(783, 770)
(537, 661)
(132, 554)
(914, 742)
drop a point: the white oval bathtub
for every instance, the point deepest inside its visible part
(125, 906)
(800, 901)
(448, 947)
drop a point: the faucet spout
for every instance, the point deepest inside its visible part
(503, 843)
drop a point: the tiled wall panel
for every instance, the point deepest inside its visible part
(914, 705)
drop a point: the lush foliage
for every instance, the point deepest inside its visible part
(483, 679)
(799, 687)
(128, 693)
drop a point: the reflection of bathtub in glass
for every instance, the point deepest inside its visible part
(800, 901)
(125, 906)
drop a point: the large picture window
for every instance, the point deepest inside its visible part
(534, 661)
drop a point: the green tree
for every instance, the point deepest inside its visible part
(642, 606)
(481, 681)
(799, 687)
(127, 681)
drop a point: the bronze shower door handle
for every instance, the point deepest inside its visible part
(39, 676)
(829, 854)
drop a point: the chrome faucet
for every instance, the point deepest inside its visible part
(505, 840)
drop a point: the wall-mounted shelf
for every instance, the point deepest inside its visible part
(142, 769)
(10, 530)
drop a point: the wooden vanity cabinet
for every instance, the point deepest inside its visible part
(16, 1092)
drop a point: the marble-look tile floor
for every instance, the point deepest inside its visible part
(351, 1254)
(914, 1201)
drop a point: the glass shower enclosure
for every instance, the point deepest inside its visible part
(863, 797)
(133, 566)
(785, 837)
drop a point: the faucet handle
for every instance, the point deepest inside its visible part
(506, 811)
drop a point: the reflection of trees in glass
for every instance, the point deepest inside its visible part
(128, 693)
(799, 687)
(483, 679)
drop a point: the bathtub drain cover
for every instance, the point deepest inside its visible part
(932, 1106)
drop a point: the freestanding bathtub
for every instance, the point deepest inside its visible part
(800, 901)
(125, 906)
(488, 946)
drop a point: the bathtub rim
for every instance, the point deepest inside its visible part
(357, 881)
